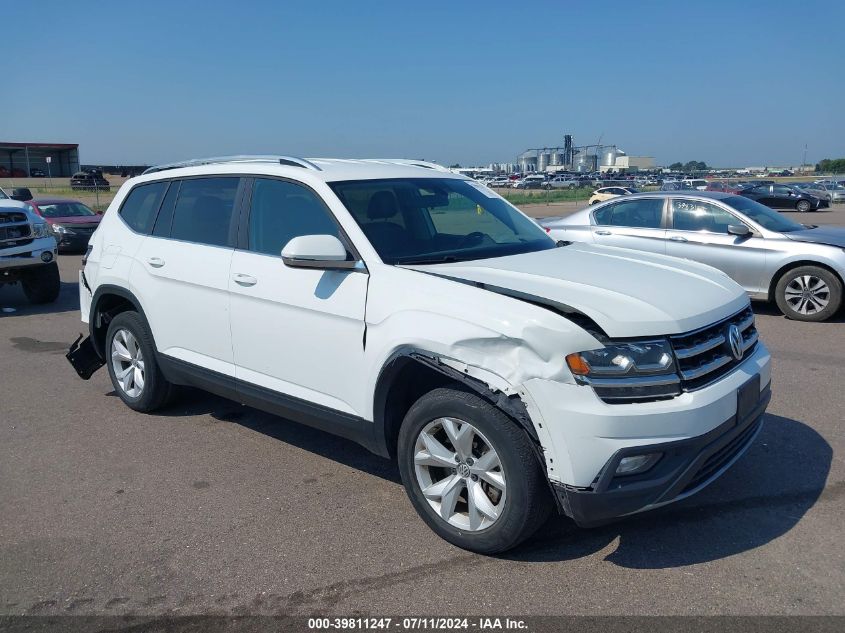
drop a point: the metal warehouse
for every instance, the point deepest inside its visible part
(18, 160)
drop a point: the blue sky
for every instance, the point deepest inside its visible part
(468, 82)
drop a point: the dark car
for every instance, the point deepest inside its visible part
(71, 222)
(89, 181)
(784, 197)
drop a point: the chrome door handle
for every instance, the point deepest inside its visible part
(244, 280)
(155, 262)
(603, 233)
(678, 238)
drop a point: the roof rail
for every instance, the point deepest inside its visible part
(410, 163)
(281, 160)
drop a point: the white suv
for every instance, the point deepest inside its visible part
(420, 314)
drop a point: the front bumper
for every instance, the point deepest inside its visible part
(686, 467)
(27, 254)
(73, 241)
(584, 438)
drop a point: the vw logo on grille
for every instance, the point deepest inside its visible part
(735, 342)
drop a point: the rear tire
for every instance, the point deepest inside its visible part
(809, 293)
(130, 356)
(495, 492)
(42, 284)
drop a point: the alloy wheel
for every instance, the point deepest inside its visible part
(807, 294)
(127, 362)
(460, 474)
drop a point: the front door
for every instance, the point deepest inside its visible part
(699, 231)
(297, 333)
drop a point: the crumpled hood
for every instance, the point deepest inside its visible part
(833, 235)
(627, 293)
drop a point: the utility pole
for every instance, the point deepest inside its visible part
(804, 160)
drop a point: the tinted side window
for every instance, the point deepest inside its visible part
(141, 206)
(646, 213)
(203, 212)
(281, 211)
(691, 215)
(165, 214)
(782, 190)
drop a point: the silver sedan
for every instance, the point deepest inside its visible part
(800, 267)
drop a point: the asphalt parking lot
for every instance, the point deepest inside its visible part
(211, 507)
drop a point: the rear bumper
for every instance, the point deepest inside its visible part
(686, 467)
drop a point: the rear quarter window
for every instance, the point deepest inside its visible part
(140, 208)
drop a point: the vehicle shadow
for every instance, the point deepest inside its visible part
(193, 402)
(14, 303)
(762, 497)
(750, 505)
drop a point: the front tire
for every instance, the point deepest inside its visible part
(809, 293)
(803, 206)
(42, 284)
(133, 369)
(470, 472)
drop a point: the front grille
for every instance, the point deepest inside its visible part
(14, 229)
(705, 355)
(720, 458)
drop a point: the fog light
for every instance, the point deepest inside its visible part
(46, 256)
(637, 463)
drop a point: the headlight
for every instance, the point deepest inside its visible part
(61, 230)
(41, 229)
(624, 359)
(628, 372)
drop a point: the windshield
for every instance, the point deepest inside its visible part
(432, 220)
(763, 215)
(65, 210)
(3, 195)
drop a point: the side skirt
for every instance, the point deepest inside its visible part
(294, 409)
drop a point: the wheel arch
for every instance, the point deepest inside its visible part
(410, 373)
(798, 264)
(109, 301)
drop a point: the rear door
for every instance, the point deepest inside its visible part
(699, 231)
(635, 223)
(763, 194)
(783, 197)
(182, 272)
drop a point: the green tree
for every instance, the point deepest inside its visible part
(695, 165)
(676, 166)
(455, 166)
(831, 165)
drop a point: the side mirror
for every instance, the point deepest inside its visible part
(739, 230)
(21, 194)
(316, 251)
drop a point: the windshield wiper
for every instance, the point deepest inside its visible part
(426, 260)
